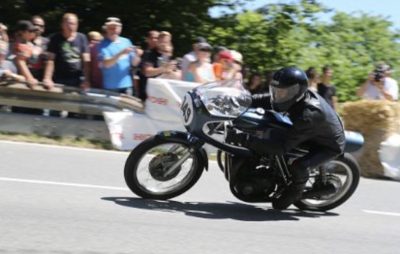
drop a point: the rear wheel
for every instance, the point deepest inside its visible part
(162, 169)
(344, 174)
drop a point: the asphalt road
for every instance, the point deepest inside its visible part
(68, 200)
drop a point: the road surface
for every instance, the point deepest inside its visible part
(70, 200)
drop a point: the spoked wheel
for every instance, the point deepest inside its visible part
(343, 175)
(162, 169)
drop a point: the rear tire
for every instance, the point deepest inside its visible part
(352, 164)
(136, 156)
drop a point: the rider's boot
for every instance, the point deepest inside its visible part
(289, 196)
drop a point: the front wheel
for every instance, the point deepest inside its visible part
(344, 174)
(162, 169)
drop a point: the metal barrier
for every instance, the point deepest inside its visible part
(71, 99)
(61, 98)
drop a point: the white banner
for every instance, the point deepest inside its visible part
(128, 129)
(165, 97)
(162, 112)
(389, 154)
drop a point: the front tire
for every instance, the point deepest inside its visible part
(147, 163)
(351, 167)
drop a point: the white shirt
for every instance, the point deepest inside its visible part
(390, 86)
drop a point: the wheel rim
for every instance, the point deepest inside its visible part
(156, 161)
(338, 171)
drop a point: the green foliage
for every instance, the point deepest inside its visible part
(185, 19)
(280, 35)
(276, 35)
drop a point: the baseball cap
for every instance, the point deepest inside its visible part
(204, 46)
(113, 21)
(382, 67)
(25, 25)
(200, 40)
(236, 56)
(225, 54)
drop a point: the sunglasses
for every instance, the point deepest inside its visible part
(205, 50)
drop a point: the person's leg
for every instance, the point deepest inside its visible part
(300, 174)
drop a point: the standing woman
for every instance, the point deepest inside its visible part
(201, 71)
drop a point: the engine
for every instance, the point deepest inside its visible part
(253, 181)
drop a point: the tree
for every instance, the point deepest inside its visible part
(280, 35)
(185, 19)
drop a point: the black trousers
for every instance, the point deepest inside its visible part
(317, 155)
(315, 158)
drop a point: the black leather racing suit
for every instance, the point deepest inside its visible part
(315, 125)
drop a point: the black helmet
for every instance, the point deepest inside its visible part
(287, 87)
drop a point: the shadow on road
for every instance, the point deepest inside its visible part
(230, 210)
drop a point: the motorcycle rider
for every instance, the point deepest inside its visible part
(315, 124)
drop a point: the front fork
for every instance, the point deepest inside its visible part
(184, 152)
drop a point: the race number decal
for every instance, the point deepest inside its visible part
(187, 109)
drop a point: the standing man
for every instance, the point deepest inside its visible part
(39, 40)
(68, 56)
(117, 55)
(152, 39)
(379, 85)
(325, 87)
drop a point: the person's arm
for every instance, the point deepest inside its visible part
(137, 58)
(86, 70)
(262, 100)
(107, 62)
(302, 130)
(22, 54)
(387, 94)
(49, 71)
(49, 67)
(150, 71)
(24, 70)
(14, 76)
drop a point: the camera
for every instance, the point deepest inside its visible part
(378, 75)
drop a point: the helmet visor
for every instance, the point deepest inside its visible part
(283, 94)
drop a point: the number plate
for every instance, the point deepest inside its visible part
(187, 109)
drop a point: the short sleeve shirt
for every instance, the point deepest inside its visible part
(327, 92)
(118, 75)
(390, 86)
(30, 53)
(68, 55)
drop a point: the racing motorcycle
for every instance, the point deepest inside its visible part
(171, 162)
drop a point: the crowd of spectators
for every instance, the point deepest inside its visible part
(106, 60)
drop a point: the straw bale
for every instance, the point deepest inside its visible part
(376, 121)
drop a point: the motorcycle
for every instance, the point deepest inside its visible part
(169, 163)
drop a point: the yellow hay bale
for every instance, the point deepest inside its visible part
(376, 120)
